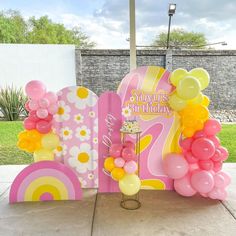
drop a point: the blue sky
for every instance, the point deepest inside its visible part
(106, 21)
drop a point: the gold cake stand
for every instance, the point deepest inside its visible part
(132, 202)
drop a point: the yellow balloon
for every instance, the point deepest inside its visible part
(205, 101)
(43, 155)
(130, 184)
(202, 76)
(177, 103)
(196, 100)
(188, 132)
(109, 164)
(188, 88)
(50, 141)
(117, 173)
(177, 75)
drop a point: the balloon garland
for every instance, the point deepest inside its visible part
(198, 168)
(38, 138)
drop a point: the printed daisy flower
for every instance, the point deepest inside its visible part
(61, 150)
(83, 133)
(126, 111)
(66, 133)
(90, 176)
(83, 158)
(79, 118)
(92, 114)
(63, 112)
(95, 140)
(131, 99)
(83, 182)
(81, 97)
(95, 125)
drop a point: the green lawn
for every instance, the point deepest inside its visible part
(10, 154)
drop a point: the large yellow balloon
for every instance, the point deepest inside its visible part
(202, 76)
(109, 164)
(117, 173)
(130, 184)
(43, 155)
(177, 103)
(188, 88)
(177, 75)
(50, 141)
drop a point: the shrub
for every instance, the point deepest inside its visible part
(12, 101)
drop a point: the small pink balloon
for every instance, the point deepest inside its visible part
(51, 97)
(35, 89)
(128, 154)
(116, 149)
(193, 167)
(186, 144)
(42, 113)
(227, 177)
(218, 193)
(33, 105)
(43, 126)
(43, 103)
(27, 106)
(49, 117)
(217, 166)
(190, 158)
(203, 148)
(33, 116)
(199, 134)
(53, 108)
(202, 181)
(206, 164)
(224, 153)
(217, 156)
(212, 127)
(29, 124)
(183, 186)
(130, 167)
(119, 162)
(129, 144)
(215, 140)
(175, 165)
(219, 180)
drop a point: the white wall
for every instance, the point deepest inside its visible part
(52, 64)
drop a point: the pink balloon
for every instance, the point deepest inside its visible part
(128, 154)
(53, 108)
(215, 140)
(193, 167)
(227, 178)
(175, 165)
(49, 117)
(206, 164)
(202, 181)
(29, 124)
(186, 144)
(130, 167)
(43, 103)
(203, 148)
(183, 186)
(129, 144)
(190, 158)
(218, 193)
(43, 126)
(217, 166)
(51, 97)
(115, 150)
(33, 116)
(35, 89)
(119, 162)
(33, 105)
(199, 134)
(219, 180)
(27, 106)
(212, 127)
(42, 113)
(224, 153)
(217, 156)
(204, 194)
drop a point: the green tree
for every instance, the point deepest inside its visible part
(180, 38)
(15, 29)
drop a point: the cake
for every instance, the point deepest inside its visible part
(130, 126)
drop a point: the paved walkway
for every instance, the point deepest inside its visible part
(162, 213)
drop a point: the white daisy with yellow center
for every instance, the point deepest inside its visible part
(63, 112)
(66, 133)
(131, 99)
(83, 158)
(83, 133)
(81, 97)
(90, 176)
(126, 112)
(92, 114)
(79, 118)
(95, 140)
(60, 150)
(95, 125)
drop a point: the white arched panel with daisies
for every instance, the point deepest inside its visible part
(77, 125)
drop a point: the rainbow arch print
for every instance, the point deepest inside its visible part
(45, 181)
(145, 92)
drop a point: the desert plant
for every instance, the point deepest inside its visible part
(12, 101)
